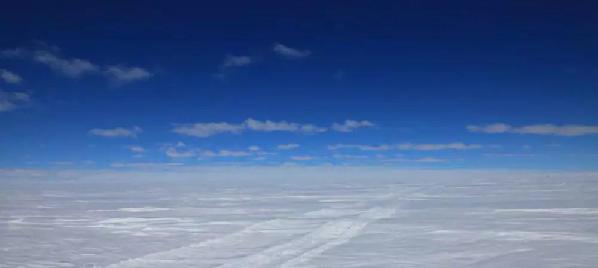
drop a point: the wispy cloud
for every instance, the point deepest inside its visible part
(14, 53)
(10, 77)
(124, 74)
(232, 62)
(350, 125)
(290, 146)
(236, 61)
(69, 67)
(203, 130)
(146, 165)
(136, 149)
(412, 160)
(174, 152)
(13, 100)
(290, 53)
(537, 129)
(77, 67)
(430, 160)
(407, 146)
(349, 156)
(302, 158)
(361, 147)
(118, 132)
(224, 153)
(437, 147)
(254, 148)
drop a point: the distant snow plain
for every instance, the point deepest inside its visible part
(342, 218)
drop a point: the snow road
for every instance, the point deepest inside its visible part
(509, 223)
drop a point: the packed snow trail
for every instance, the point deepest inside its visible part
(287, 250)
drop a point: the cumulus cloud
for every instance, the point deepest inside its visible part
(13, 100)
(268, 126)
(290, 146)
(290, 53)
(406, 146)
(118, 132)
(350, 125)
(181, 150)
(10, 77)
(537, 129)
(124, 74)
(178, 150)
(203, 130)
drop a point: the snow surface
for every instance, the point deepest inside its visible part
(540, 222)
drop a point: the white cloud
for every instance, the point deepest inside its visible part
(538, 129)
(118, 132)
(12, 100)
(290, 53)
(429, 160)
(224, 153)
(169, 171)
(254, 148)
(349, 156)
(180, 150)
(406, 146)
(173, 152)
(146, 165)
(362, 147)
(75, 67)
(127, 74)
(236, 61)
(70, 67)
(302, 158)
(350, 125)
(202, 130)
(491, 128)
(290, 146)
(136, 149)
(437, 147)
(10, 77)
(14, 53)
(269, 126)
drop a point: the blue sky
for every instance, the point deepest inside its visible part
(399, 83)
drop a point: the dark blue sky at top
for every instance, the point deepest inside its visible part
(421, 71)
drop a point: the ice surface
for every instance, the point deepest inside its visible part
(402, 223)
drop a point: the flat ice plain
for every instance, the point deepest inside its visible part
(537, 221)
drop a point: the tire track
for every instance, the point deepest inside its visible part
(313, 244)
(285, 253)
